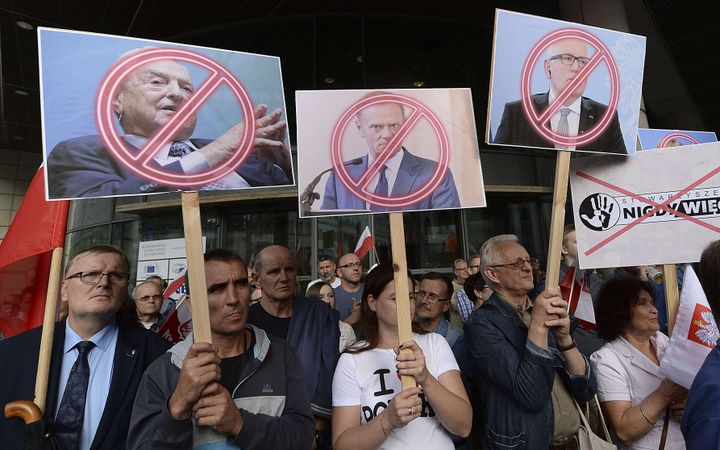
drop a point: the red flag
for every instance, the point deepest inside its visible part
(364, 244)
(575, 289)
(25, 253)
(178, 323)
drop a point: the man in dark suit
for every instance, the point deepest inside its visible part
(100, 319)
(146, 101)
(578, 114)
(402, 174)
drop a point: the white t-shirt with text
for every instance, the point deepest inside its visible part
(369, 379)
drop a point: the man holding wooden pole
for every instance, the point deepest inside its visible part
(98, 357)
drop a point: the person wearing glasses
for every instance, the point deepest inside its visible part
(565, 59)
(347, 295)
(526, 364)
(432, 301)
(148, 300)
(370, 408)
(99, 355)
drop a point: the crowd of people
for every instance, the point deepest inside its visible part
(498, 360)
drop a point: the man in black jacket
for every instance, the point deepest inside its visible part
(100, 316)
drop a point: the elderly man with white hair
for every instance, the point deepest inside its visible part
(526, 364)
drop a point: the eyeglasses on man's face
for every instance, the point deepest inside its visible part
(117, 278)
(431, 297)
(147, 298)
(518, 264)
(569, 60)
(357, 264)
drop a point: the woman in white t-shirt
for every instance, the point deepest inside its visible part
(323, 291)
(370, 409)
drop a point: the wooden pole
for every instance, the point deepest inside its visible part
(28, 411)
(557, 222)
(672, 294)
(402, 295)
(196, 267)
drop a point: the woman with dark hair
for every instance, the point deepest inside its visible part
(633, 393)
(370, 409)
(323, 291)
(477, 289)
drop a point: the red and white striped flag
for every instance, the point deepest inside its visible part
(179, 323)
(694, 336)
(365, 243)
(575, 289)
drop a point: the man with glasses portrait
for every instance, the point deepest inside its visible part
(99, 355)
(526, 364)
(564, 60)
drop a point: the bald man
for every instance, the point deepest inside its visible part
(564, 60)
(310, 327)
(401, 175)
(146, 101)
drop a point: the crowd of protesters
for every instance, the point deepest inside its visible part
(498, 360)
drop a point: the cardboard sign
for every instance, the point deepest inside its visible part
(659, 207)
(165, 258)
(382, 151)
(563, 85)
(657, 138)
(124, 116)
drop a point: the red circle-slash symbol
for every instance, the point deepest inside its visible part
(142, 162)
(676, 135)
(540, 122)
(357, 187)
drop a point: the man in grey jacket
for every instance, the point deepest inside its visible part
(246, 389)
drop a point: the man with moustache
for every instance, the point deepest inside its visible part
(432, 300)
(245, 390)
(147, 100)
(327, 272)
(565, 59)
(98, 358)
(310, 327)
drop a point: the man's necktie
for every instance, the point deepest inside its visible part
(69, 419)
(563, 125)
(179, 149)
(381, 189)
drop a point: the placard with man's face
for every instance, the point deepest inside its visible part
(366, 151)
(565, 86)
(125, 116)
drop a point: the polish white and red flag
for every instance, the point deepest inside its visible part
(178, 323)
(575, 289)
(694, 336)
(365, 243)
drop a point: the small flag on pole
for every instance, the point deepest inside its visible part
(365, 243)
(575, 289)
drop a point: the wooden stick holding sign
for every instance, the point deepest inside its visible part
(672, 294)
(557, 222)
(402, 295)
(29, 411)
(196, 267)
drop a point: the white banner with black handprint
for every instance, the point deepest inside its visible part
(657, 207)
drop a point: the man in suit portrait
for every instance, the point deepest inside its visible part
(564, 60)
(98, 357)
(146, 101)
(404, 173)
